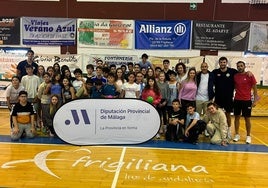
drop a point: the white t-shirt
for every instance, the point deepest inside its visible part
(13, 93)
(130, 89)
(31, 84)
(202, 91)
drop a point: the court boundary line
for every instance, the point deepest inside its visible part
(252, 135)
(145, 147)
(117, 173)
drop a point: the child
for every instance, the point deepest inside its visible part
(110, 90)
(175, 122)
(44, 97)
(31, 83)
(151, 93)
(130, 89)
(217, 125)
(12, 94)
(23, 117)
(79, 80)
(119, 78)
(99, 75)
(68, 91)
(53, 107)
(162, 107)
(151, 90)
(172, 83)
(139, 81)
(84, 91)
(193, 126)
(90, 71)
(56, 86)
(96, 91)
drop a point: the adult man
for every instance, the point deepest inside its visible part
(21, 68)
(242, 100)
(144, 63)
(205, 91)
(224, 89)
(23, 118)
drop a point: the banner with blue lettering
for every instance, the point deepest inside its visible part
(162, 34)
(48, 31)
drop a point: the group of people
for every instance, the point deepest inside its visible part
(181, 96)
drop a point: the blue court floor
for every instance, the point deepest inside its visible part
(153, 144)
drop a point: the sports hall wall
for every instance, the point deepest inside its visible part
(210, 10)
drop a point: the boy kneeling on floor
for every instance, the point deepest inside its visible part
(23, 118)
(193, 126)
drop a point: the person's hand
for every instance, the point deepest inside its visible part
(186, 133)
(223, 143)
(15, 130)
(33, 129)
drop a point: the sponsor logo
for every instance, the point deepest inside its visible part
(87, 160)
(106, 121)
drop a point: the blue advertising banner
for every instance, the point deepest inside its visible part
(48, 31)
(162, 34)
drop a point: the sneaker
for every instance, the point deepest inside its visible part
(236, 138)
(157, 136)
(206, 133)
(248, 140)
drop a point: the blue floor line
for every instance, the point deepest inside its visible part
(154, 144)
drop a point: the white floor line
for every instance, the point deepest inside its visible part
(116, 175)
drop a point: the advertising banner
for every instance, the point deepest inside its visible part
(162, 34)
(265, 72)
(98, 33)
(231, 36)
(157, 61)
(73, 61)
(48, 31)
(117, 60)
(258, 37)
(9, 31)
(9, 59)
(106, 121)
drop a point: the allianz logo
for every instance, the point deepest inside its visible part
(179, 29)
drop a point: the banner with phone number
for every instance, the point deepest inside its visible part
(99, 33)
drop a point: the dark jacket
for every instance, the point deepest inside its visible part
(211, 93)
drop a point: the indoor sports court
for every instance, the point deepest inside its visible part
(50, 162)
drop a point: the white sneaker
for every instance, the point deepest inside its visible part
(157, 136)
(248, 140)
(236, 138)
(206, 133)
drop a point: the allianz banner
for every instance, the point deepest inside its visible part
(9, 31)
(233, 36)
(162, 34)
(48, 31)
